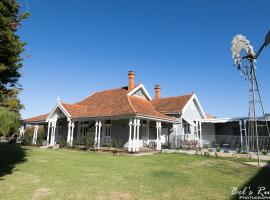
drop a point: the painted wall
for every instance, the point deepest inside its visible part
(192, 112)
(120, 131)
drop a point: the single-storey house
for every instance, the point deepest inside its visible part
(127, 114)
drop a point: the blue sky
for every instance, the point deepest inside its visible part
(77, 47)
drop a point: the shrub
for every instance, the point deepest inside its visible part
(63, 142)
(28, 136)
(88, 141)
(218, 148)
(264, 152)
(9, 122)
(117, 143)
(40, 136)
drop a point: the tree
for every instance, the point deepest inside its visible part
(11, 48)
(9, 121)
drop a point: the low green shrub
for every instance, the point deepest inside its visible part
(63, 142)
(264, 152)
(88, 141)
(40, 136)
(28, 136)
(218, 148)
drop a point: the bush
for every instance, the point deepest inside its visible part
(88, 141)
(9, 122)
(28, 136)
(63, 142)
(117, 144)
(264, 152)
(218, 148)
(40, 136)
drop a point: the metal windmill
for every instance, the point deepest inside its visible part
(244, 58)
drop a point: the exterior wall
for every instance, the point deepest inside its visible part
(120, 131)
(192, 112)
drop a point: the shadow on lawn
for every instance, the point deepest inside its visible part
(10, 156)
(260, 182)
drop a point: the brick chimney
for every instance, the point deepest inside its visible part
(131, 80)
(157, 91)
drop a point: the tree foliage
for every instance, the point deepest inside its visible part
(11, 46)
(9, 121)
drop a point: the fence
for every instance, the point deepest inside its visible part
(229, 142)
(187, 141)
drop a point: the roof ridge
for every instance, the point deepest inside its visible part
(73, 104)
(96, 92)
(175, 96)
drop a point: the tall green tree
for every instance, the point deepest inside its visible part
(11, 48)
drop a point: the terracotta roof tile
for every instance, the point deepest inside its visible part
(107, 103)
(38, 118)
(74, 109)
(114, 102)
(144, 107)
(171, 104)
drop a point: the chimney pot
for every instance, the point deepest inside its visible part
(131, 80)
(157, 91)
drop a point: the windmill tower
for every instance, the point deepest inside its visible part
(244, 58)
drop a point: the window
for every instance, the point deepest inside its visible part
(186, 127)
(139, 93)
(84, 128)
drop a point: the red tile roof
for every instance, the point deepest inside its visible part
(171, 104)
(39, 118)
(114, 102)
(144, 107)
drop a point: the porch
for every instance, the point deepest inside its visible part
(131, 133)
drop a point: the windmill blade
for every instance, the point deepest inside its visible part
(240, 43)
(267, 39)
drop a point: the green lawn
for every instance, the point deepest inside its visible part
(34, 173)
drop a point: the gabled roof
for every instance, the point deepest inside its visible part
(114, 102)
(171, 104)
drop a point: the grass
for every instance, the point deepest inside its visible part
(62, 174)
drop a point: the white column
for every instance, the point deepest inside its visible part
(21, 131)
(241, 135)
(158, 126)
(138, 135)
(99, 130)
(134, 135)
(53, 133)
(246, 136)
(34, 139)
(175, 135)
(71, 133)
(129, 136)
(48, 132)
(200, 124)
(68, 135)
(96, 134)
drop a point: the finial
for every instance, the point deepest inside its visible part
(58, 99)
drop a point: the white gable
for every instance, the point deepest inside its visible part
(193, 110)
(58, 111)
(140, 91)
